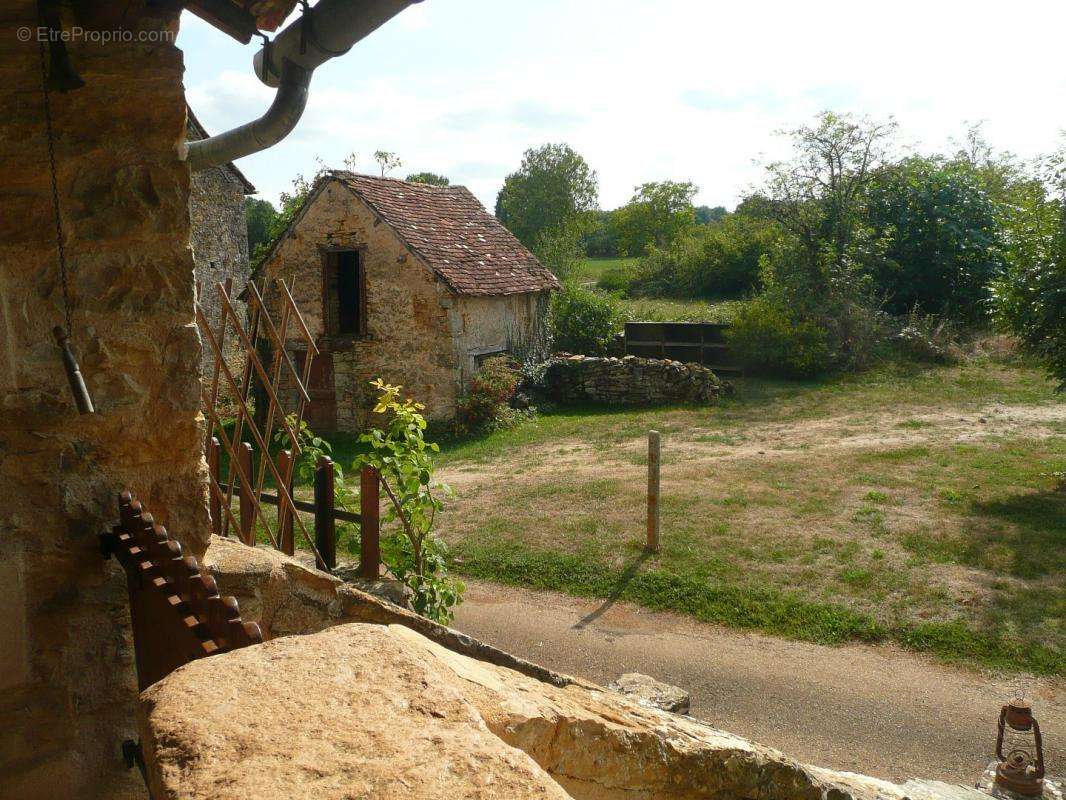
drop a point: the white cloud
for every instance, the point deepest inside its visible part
(680, 89)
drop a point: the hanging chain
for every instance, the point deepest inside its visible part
(55, 187)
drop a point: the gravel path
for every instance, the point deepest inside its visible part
(876, 710)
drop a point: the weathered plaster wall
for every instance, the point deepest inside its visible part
(409, 339)
(493, 324)
(219, 238)
(67, 685)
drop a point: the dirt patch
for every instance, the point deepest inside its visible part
(870, 510)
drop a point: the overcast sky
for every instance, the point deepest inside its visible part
(671, 89)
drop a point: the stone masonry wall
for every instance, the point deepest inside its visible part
(67, 688)
(408, 341)
(629, 381)
(420, 334)
(219, 239)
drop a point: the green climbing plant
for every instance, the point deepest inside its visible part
(404, 459)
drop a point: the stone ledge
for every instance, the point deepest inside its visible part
(287, 598)
(368, 711)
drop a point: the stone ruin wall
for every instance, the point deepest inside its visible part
(66, 670)
(219, 238)
(410, 330)
(629, 381)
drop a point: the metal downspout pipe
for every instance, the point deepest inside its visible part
(328, 30)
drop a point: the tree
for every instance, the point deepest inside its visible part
(1029, 298)
(291, 202)
(387, 161)
(600, 238)
(657, 214)
(259, 215)
(818, 270)
(942, 233)
(428, 178)
(560, 250)
(706, 214)
(819, 195)
(552, 186)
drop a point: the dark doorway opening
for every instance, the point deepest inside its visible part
(350, 296)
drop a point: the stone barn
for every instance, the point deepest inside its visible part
(219, 236)
(412, 283)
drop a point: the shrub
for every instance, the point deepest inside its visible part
(487, 402)
(924, 337)
(617, 279)
(765, 338)
(583, 321)
(721, 259)
(942, 235)
(404, 459)
(1029, 297)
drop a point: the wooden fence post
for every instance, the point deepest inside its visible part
(285, 537)
(247, 505)
(325, 529)
(369, 525)
(653, 491)
(215, 466)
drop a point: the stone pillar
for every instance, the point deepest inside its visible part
(66, 674)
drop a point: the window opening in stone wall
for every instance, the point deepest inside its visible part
(349, 298)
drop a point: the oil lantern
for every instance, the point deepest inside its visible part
(1019, 750)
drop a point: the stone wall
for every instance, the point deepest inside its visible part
(408, 338)
(420, 334)
(67, 684)
(629, 381)
(219, 238)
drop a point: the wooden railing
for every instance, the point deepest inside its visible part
(324, 508)
(176, 611)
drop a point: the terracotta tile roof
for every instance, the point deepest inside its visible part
(453, 233)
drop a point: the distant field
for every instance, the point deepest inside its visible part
(647, 309)
(594, 268)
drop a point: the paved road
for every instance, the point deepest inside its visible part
(876, 710)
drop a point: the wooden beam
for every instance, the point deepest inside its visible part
(228, 17)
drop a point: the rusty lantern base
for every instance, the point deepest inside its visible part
(1014, 775)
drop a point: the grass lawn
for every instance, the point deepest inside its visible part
(907, 504)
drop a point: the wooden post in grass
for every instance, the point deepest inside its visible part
(653, 491)
(244, 470)
(325, 527)
(285, 537)
(369, 524)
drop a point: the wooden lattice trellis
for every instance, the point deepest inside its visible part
(247, 335)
